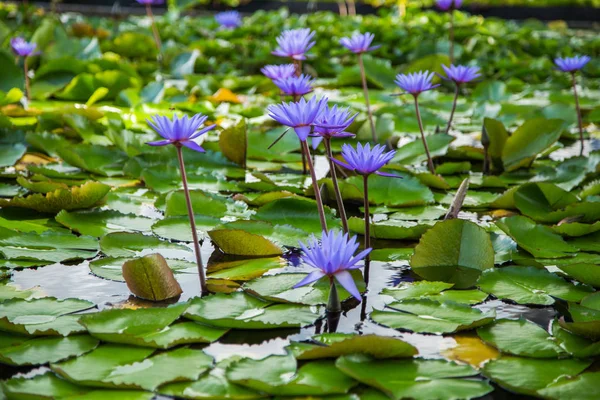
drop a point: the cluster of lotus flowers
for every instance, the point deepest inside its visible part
(332, 255)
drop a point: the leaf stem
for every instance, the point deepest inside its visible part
(154, 30)
(579, 121)
(367, 224)
(315, 184)
(456, 93)
(429, 160)
(26, 72)
(336, 187)
(363, 77)
(451, 33)
(190, 210)
(333, 305)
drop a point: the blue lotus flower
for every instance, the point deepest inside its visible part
(179, 131)
(333, 257)
(571, 64)
(229, 19)
(295, 43)
(151, 2)
(298, 115)
(461, 73)
(446, 5)
(275, 72)
(333, 122)
(359, 43)
(365, 160)
(295, 85)
(416, 82)
(21, 47)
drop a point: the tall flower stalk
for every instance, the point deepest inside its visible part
(182, 132)
(333, 257)
(450, 6)
(301, 116)
(415, 84)
(360, 44)
(332, 123)
(23, 48)
(460, 75)
(366, 160)
(572, 65)
(148, 4)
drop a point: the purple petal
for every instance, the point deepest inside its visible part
(390, 175)
(310, 278)
(193, 145)
(159, 143)
(302, 132)
(346, 280)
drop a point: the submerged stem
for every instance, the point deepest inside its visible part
(154, 30)
(190, 210)
(367, 224)
(315, 184)
(363, 77)
(579, 121)
(429, 160)
(336, 187)
(456, 93)
(333, 305)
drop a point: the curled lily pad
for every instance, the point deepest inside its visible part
(111, 268)
(44, 386)
(428, 316)
(575, 345)
(148, 327)
(44, 350)
(76, 197)
(415, 378)
(454, 251)
(241, 311)
(150, 278)
(47, 316)
(585, 321)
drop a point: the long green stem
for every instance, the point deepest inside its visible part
(336, 186)
(315, 184)
(333, 305)
(154, 30)
(456, 93)
(26, 72)
(429, 160)
(367, 223)
(190, 210)
(579, 121)
(451, 36)
(363, 77)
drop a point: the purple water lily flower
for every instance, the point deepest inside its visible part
(365, 160)
(571, 64)
(416, 82)
(359, 43)
(229, 19)
(298, 115)
(179, 131)
(446, 5)
(333, 257)
(294, 43)
(460, 74)
(295, 85)
(275, 72)
(151, 2)
(21, 47)
(333, 122)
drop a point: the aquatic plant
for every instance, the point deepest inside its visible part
(572, 65)
(460, 75)
(229, 19)
(414, 84)
(450, 6)
(23, 48)
(359, 44)
(295, 86)
(333, 257)
(294, 44)
(148, 5)
(182, 132)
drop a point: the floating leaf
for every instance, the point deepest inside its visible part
(178, 228)
(297, 212)
(577, 346)
(100, 223)
(47, 349)
(406, 192)
(150, 278)
(437, 291)
(242, 243)
(529, 285)
(415, 379)
(233, 142)
(239, 310)
(44, 386)
(583, 386)
(454, 251)
(122, 244)
(112, 268)
(428, 316)
(584, 273)
(471, 350)
(391, 229)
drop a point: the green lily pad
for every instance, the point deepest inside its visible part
(585, 321)
(529, 285)
(437, 291)
(178, 228)
(577, 346)
(44, 386)
(124, 244)
(416, 379)
(100, 223)
(297, 212)
(583, 386)
(44, 350)
(42, 317)
(584, 273)
(428, 316)
(394, 192)
(148, 327)
(241, 311)
(520, 338)
(529, 375)
(242, 243)
(454, 251)
(330, 346)
(538, 240)
(233, 142)
(280, 375)
(202, 204)
(280, 235)
(414, 153)
(150, 278)
(391, 229)
(112, 268)
(243, 270)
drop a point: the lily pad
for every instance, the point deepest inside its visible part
(391, 229)
(112, 268)
(297, 212)
(394, 192)
(99, 223)
(150, 278)
(44, 350)
(44, 386)
(178, 228)
(124, 244)
(438, 291)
